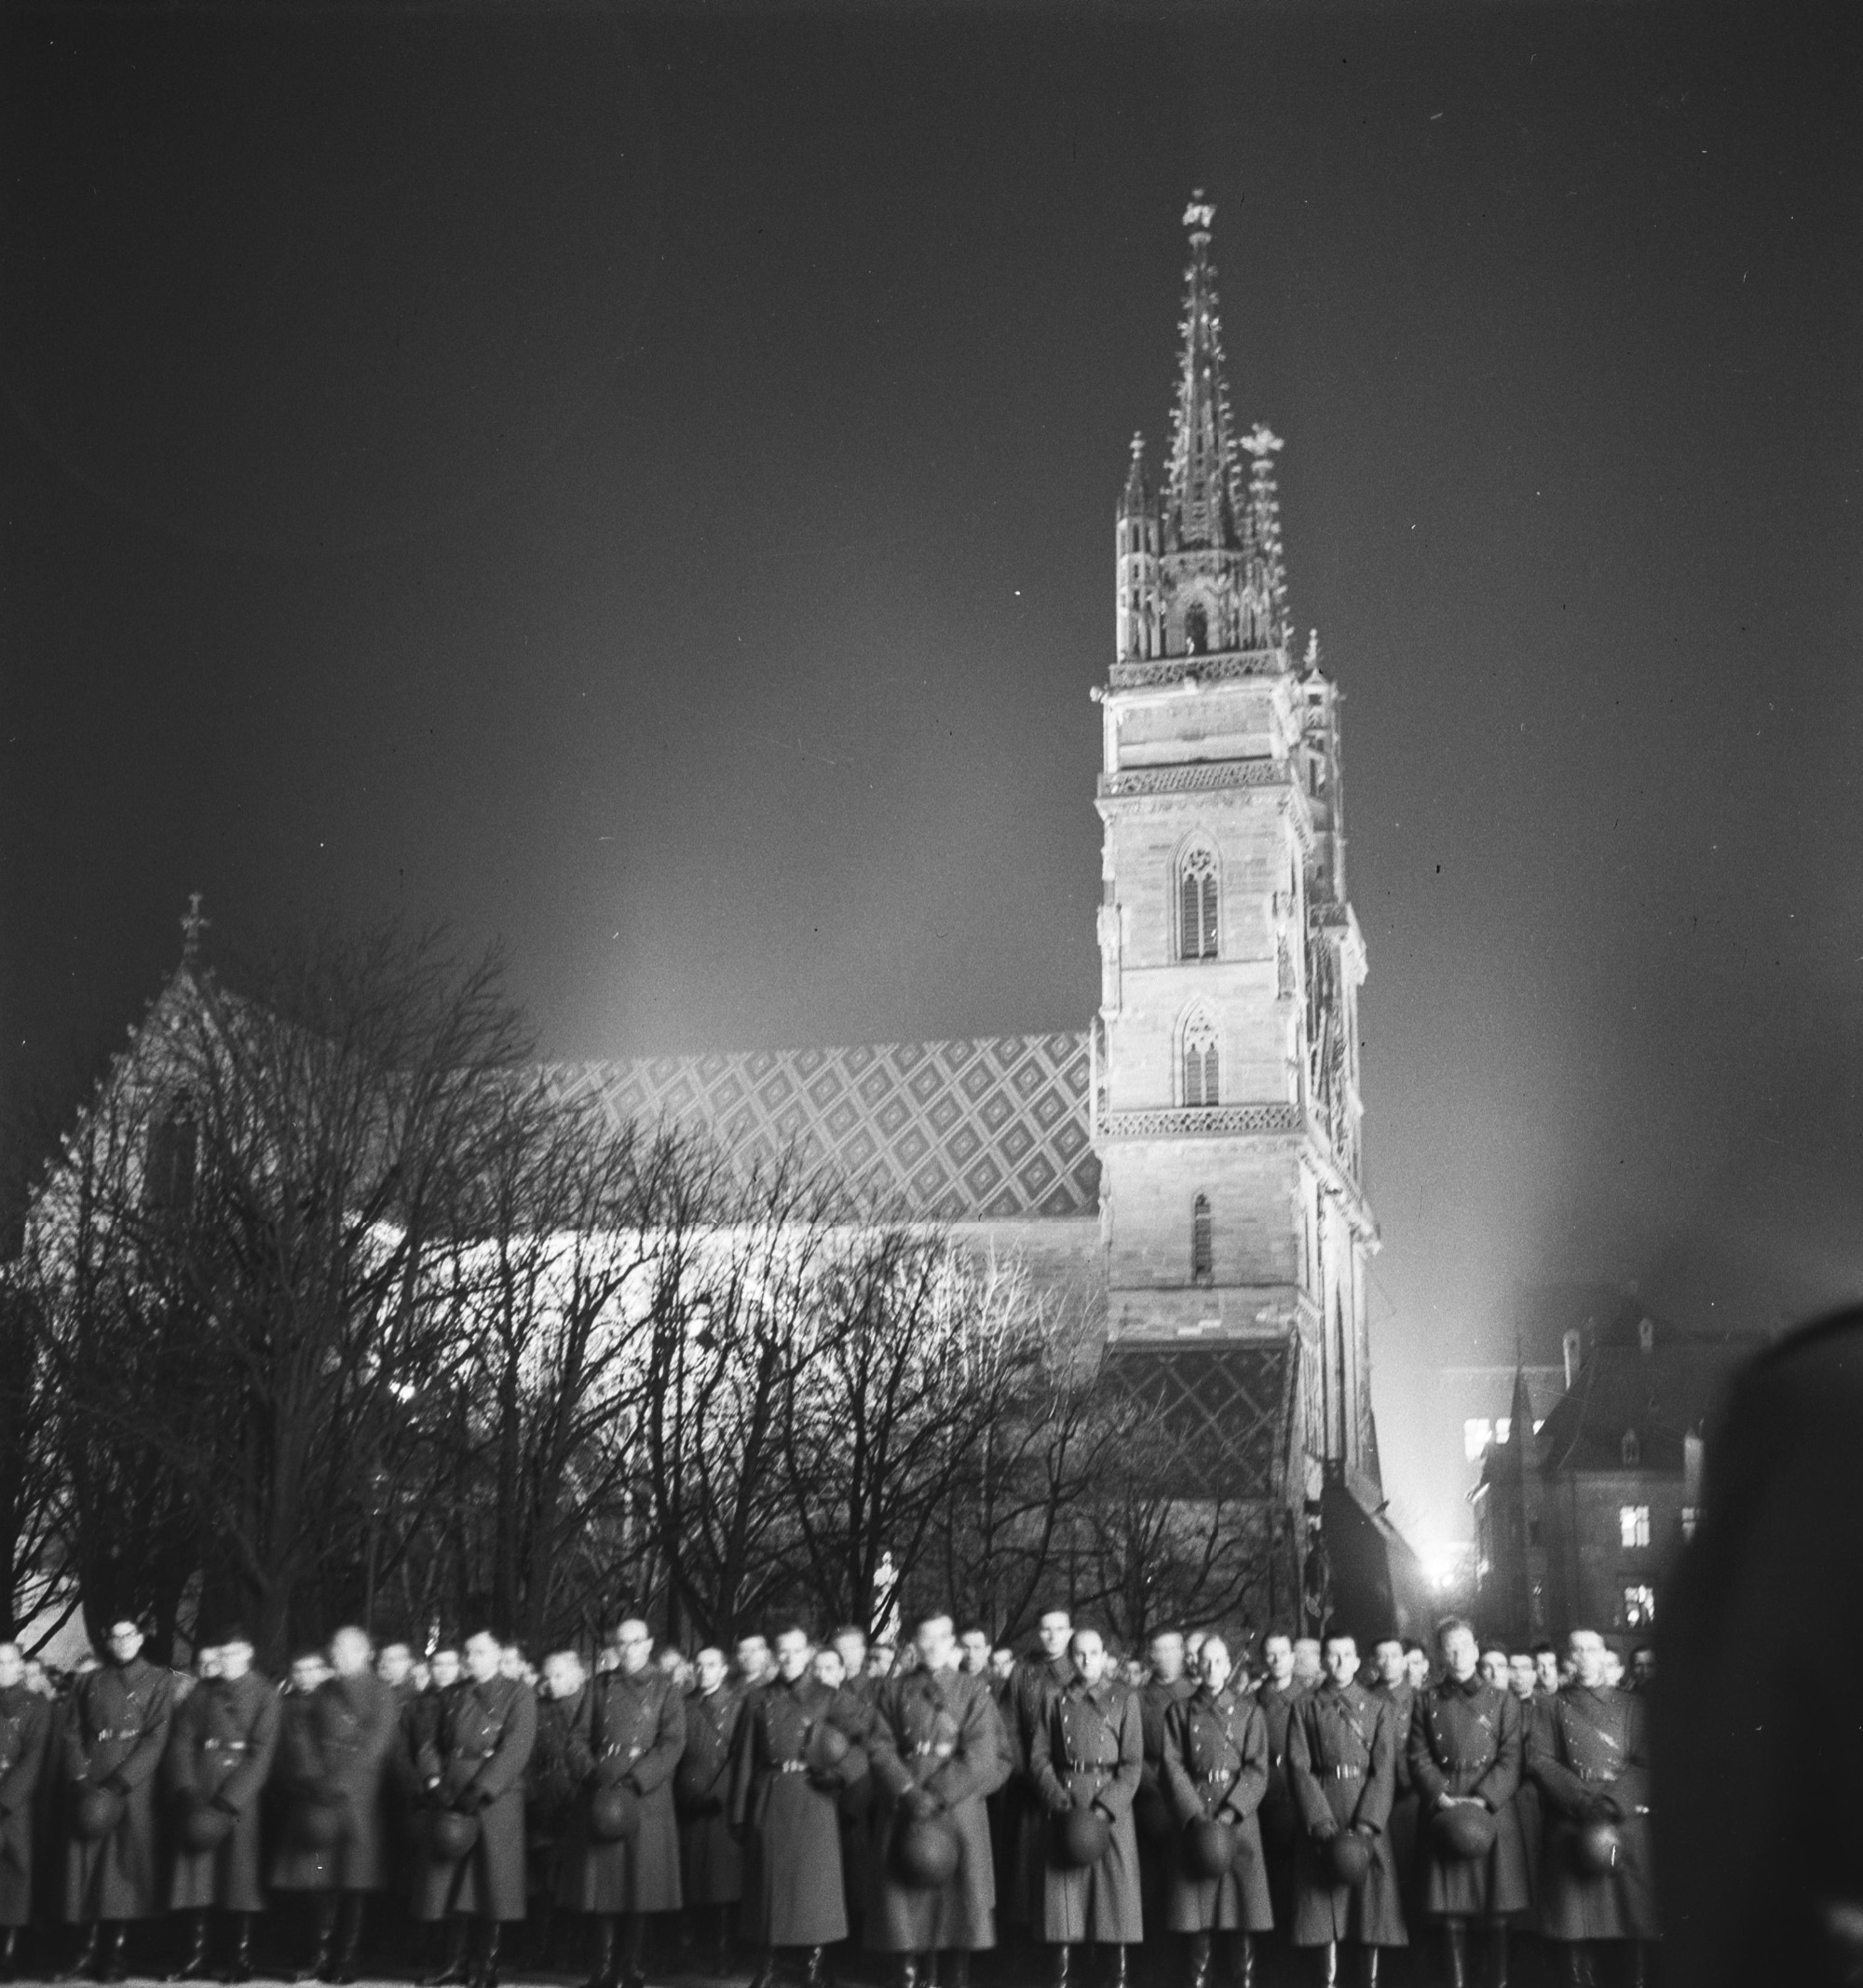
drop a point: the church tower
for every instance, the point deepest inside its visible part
(1226, 1086)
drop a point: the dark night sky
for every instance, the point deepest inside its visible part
(643, 486)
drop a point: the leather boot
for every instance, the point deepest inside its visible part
(454, 1973)
(342, 1967)
(9, 1953)
(195, 1966)
(765, 1976)
(323, 1932)
(1241, 1948)
(1455, 1953)
(815, 1967)
(1057, 1966)
(957, 1967)
(84, 1961)
(721, 1943)
(1640, 1963)
(1118, 1970)
(1198, 1974)
(1367, 1965)
(906, 1970)
(110, 1966)
(1497, 1953)
(601, 1965)
(485, 1967)
(1575, 1955)
(238, 1967)
(633, 1951)
(1329, 1965)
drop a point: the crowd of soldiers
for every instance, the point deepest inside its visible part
(828, 1806)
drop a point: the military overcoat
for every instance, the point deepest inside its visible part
(479, 1753)
(340, 1744)
(1089, 1751)
(1280, 1814)
(936, 1732)
(1216, 1767)
(1033, 1688)
(711, 1862)
(560, 1764)
(115, 1731)
(221, 1744)
(25, 1732)
(1527, 1806)
(1466, 1740)
(1341, 1762)
(636, 1734)
(790, 1816)
(1588, 1755)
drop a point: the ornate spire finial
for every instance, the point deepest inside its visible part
(1202, 498)
(1262, 440)
(194, 922)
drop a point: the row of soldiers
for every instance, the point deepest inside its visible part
(804, 1798)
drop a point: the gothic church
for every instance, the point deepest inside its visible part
(1196, 1154)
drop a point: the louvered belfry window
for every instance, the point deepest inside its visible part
(1200, 1061)
(1197, 905)
(1202, 1241)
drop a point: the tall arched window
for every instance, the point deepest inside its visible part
(1196, 905)
(1199, 1060)
(1203, 1241)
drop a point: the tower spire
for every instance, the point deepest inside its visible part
(1201, 496)
(1270, 576)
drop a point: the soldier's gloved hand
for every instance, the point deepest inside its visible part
(1611, 1807)
(224, 1806)
(117, 1785)
(483, 1797)
(1324, 1832)
(1059, 1801)
(920, 1804)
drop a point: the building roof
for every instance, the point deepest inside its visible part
(991, 1129)
(1643, 1376)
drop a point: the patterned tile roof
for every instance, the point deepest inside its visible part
(969, 1131)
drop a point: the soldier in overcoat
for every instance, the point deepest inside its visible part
(25, 1732)
(1341, 1760)
(1388, 1677)
(841, 1666)
(1089, 1752)
(1276, 1696)
(636, 1734)
(115, 1731)
(337, 1750)
(1004, 1804)
(559, 1766)
(1166, 1684)
(1215, 1767)
(785, 1798)
(1464, 1748)
(1589, 1757)
(1040, 1680)
(1528, 1706)
(710, 1864)
(474, 1763)
(937, 1756)
(221, 1744)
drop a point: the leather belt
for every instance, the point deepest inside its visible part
(226, 1746)
(792, 1766)
(112, 1733)
(1593, 1774)
(1341, 1774)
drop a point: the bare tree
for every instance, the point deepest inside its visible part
(310, 1141)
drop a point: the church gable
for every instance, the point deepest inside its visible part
(991, 1129)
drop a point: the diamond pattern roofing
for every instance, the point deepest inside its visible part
(985, 1130)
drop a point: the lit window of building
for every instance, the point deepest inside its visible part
(1476, 1434)
(1639, 1606)
(1633, 1524)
